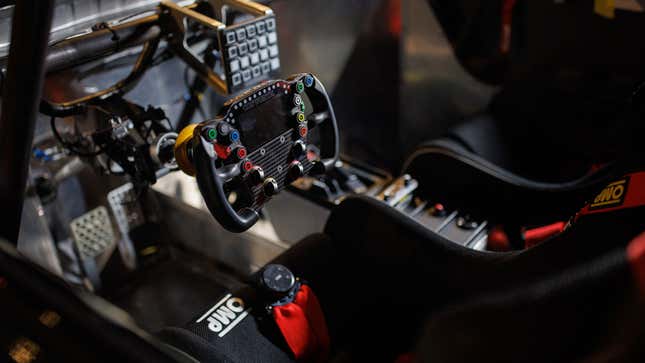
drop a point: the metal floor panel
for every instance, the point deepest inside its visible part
(197, 230)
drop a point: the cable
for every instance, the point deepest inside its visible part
(71, 146)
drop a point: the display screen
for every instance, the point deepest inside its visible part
(263, 122)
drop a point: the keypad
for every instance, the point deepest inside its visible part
(250, 52)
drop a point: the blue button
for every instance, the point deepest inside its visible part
(235, 136)
(309, 80)
(39, 154)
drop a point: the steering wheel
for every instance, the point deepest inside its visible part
(262, 140)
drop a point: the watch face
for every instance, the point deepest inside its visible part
(278, 278)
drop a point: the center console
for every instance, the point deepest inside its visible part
(454, 225)
(403, 194)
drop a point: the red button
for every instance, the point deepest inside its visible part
(248, 166)
(241, 153)
(222, 151)
(438, 210)
(303, 131)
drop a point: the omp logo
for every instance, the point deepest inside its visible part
(225, 315)
(612, 196)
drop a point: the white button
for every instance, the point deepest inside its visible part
(273, 37)
(241, 34)
(232, 52)
(266, 68)
(255, 58)
(264, 54)
(270, 24)
(246, 74)
(242, 49)
(262, 39)
(256, 71)
(253, 45)
(234, 65)
(260, 27)
(244, 62)
(230, 37)
(250, 31)
(275, 63)
(273, 51)
(237, 79)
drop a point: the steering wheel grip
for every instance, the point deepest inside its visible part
(330, 151)
(211, 186)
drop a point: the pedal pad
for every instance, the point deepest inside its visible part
(128, 215)
(93, 234)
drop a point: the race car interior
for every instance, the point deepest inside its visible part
(290, 181)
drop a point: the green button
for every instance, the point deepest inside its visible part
(302, 107)
(212, 134)
(300, 87)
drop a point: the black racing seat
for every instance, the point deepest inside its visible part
(523, 150)
(482, 136)
(473, 168)
(590, 313)
(252, 339)
(400, 272)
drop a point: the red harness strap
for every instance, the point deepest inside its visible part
(303, 326)
(536, 235)
(636, 258)
(406, 358)
(507, 23)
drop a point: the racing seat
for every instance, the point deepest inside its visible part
(475, 168)
(591, 313)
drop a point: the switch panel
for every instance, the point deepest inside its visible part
(250, 52)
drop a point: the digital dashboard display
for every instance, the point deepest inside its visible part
(263, 122)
